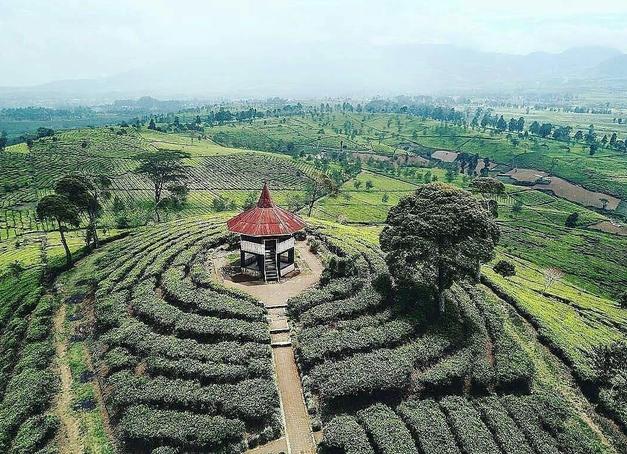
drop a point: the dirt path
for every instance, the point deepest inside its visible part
(297, 425)
(70, 441)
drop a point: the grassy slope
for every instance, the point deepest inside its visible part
(551, 378)
(384, 132)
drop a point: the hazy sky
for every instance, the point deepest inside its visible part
(44, 40)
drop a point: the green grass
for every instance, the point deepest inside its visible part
(26, 249)
(573, 320)
(604, 172)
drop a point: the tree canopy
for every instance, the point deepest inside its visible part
(488, 185)
(162, 167)
(60, 209)
(85, 194)
(436, 236)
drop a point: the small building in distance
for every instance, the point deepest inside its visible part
(266, 238)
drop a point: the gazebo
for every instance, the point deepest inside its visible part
(266, 238)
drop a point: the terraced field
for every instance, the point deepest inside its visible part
(182, 362)
(27, 381)
(381, 379)
(212, 169)
(388, 134)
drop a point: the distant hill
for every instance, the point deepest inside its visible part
(374, 70)
(615, 67)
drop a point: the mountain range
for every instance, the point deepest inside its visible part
(370, 71)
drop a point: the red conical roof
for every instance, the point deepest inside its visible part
(265, 219)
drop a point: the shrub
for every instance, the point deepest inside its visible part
(120, 358)
(318, 344)
(28, 393)
(142, 427)
(365, 300)
(522, 411)
(140, 339)
(314, 245)
(448, 374)
(251, 400)
(504, 268)
(505, 431)
(387, 431)
(208, 372)
(34, 434)
(429, 427)
(473, 435)
(379, 370)
(182, 293)
(335, 290)
(571, 220)
(344, 433)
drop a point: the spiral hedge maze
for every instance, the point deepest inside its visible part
(379, 379)
(184, 364)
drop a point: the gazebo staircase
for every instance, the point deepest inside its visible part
(271, 273)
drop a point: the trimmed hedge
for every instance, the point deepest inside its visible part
(506, 432)
(30, 384)
(344, 433)
(523, 411)
(428, 426)
(448, 375)
(182, 293)
(514, 369)
(28, 393)
(340, 288)
(140, 340)
(143, 428)
(387, 431)
(148, 307)
(365, 300)
(469, 429)
(316, 344)
(208, 371)
(252, 400)
(34, 434)
(379, 370)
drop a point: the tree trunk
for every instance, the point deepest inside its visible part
(157, 200)
(441, 302)
(92, 226)
(68, 254)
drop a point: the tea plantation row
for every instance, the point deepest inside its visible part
(381, 376)
(185, 364)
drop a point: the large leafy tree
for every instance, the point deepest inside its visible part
(317, 186)
(63, 212)
(86, 194)
(488, 185)
(436, 236)
(163, 168)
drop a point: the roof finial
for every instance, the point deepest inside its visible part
(265, 201)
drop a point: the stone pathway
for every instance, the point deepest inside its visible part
(299, 437)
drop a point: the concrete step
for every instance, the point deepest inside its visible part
(279, 330)
(281, 344)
